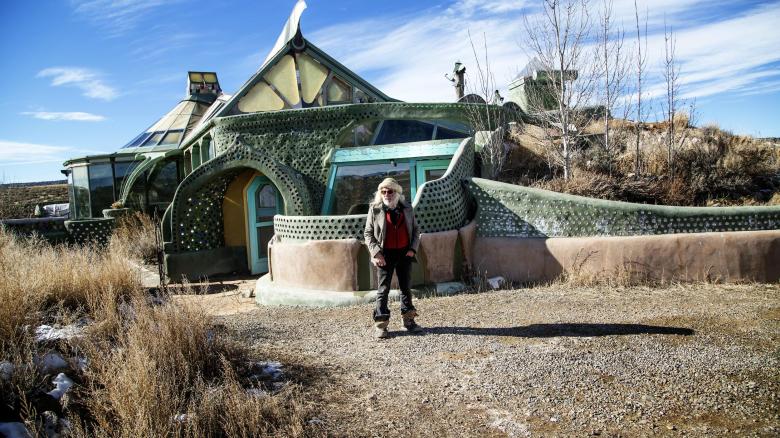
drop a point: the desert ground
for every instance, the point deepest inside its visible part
(556, 360)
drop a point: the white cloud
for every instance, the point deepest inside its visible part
(75, 116)
(87, 80)
(407, 56)
(117, 17)
(15, 153)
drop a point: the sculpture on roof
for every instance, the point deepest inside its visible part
(458, 79)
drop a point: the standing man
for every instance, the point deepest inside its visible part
(392, 237)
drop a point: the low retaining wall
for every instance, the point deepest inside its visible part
(344, 264)
(50, 228)
(729, 256)
(61, 230)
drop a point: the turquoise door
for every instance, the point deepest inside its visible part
(263, 202)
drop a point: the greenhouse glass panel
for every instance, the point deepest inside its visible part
(121, 170)
(163, 186)
(444, 133)
(101, 187)
(152, 141)
(172, 137)
(81, 193)
(404, 131)
(354, 186)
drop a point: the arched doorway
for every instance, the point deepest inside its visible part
(263, 201)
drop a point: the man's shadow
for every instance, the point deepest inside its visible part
(562, 330)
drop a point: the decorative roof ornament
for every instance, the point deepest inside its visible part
(291, 28)
(458, 79)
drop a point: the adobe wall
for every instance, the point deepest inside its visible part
(729, 256)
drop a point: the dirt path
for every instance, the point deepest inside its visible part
(702, 360)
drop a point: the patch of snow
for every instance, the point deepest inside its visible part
(14, 430)
(6, 370)
(49, 333)
(496, 282)
(51, 362)
(63, 384)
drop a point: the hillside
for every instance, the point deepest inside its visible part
(711, 166)
(19, 201)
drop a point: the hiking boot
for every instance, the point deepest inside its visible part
(409, 324)
(380, 329)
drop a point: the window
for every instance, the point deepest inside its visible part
(121, 170)
(81, 205)
(164, 183)
(154, 139)
(404, 131)
(354, 186)
(443, 133)
(101, 187)
(172, 137)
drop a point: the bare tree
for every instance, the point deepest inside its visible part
(641, 60)
(484, 117)
(612, 67)
(558, 39)
(671, 74)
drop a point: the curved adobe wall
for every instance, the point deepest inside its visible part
(730, 257)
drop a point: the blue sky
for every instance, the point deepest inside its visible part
(85, 76)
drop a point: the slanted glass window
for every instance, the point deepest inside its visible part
(81, 207)
(101, 187)
(154, 139)
(138, 141)
(164, 183)
(172, 137)
(404, 131)
(443, 133)
(354, 186)
(361, 135)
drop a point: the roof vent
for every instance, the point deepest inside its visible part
(202, 82)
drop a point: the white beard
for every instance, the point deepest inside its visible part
(392, 204)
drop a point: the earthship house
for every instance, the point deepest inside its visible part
(275, 179)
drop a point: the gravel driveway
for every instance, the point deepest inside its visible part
(698, 360)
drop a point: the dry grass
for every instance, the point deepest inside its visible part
(136, 233)
(712, 164)
(155, 367)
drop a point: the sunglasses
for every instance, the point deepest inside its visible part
(387, 191)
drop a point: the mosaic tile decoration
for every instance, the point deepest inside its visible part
(294, 149)
(86, 231)
(441, 205)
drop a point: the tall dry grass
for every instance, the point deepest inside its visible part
(135, 234)
(711, 166)
(155, 367)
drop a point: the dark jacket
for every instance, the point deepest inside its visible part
(374, 233)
